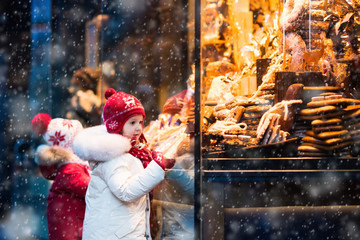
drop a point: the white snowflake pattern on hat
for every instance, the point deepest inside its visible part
(129, 101)
(113, 125)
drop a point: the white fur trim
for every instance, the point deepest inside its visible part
(50, 155)
(96, 144)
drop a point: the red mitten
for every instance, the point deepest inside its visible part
(169, 163)
(163, 163)
(158, 158)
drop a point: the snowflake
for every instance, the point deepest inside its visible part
(129, 101)
(113, 125)
(57, 138)
(67, 123)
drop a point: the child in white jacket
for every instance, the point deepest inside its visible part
(124, 171)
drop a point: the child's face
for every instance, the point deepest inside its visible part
(133, 127)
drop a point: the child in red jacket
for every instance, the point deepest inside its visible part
(70, 175)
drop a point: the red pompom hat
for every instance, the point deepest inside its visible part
(118, 108)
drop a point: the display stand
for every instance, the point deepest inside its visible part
(246, 196)
(256, 193)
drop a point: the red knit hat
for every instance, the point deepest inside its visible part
(175, 103)
(118, 108)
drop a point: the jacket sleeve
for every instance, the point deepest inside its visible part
(127, 186)
(182, 179)
(75, 179)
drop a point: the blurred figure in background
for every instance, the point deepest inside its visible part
(85, 101)
(173, 134)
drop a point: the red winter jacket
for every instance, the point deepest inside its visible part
(66, 199)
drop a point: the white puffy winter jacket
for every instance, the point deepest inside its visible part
(117, 203)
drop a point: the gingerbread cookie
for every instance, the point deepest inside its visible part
(308, 148)
(326, 96)
(327, 135)
(334, 114)
(327, 122)
(309, 139)
(329, 128)
(328, 147)
(333, 141)
(258, 108)
(334, 102)
(352, 108)
(329, 94)
(322, 88)
(319, 110)
(326, 142)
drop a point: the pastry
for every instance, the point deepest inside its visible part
(332, 134)
(334, 114)
(327, 122)
(318, 110)
(329, 128)
(336, 102)
(222, 114)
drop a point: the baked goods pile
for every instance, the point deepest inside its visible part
(273, 126)
(235, 121)
(303, 43)
(352, 123)
(277, 122)
(333, 120)
(228, 115)
(226, 106)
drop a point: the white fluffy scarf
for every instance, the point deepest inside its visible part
(96, 144)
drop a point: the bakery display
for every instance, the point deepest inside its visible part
(328, 133)
(298, 95)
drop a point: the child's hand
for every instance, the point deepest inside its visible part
(163, 163)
